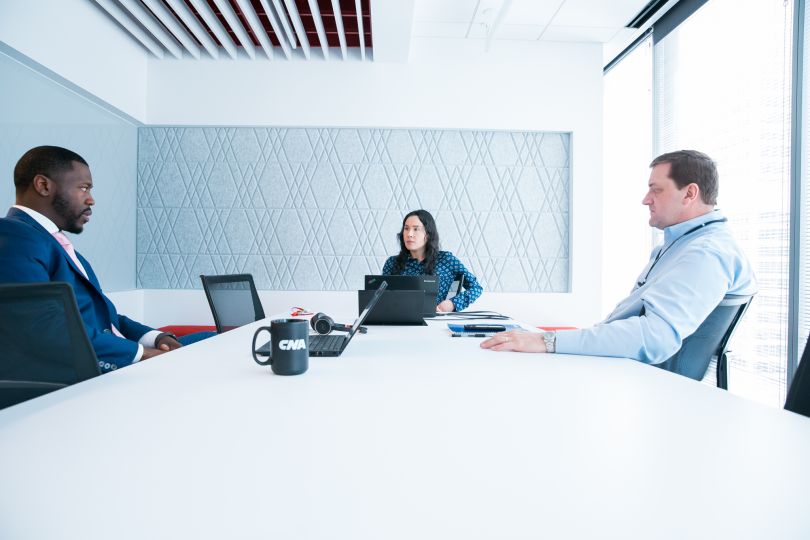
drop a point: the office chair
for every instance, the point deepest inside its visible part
(710, 341)
(457, 286)
(233, 299)
(798, 398)
(43, 342)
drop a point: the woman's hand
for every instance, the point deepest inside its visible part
(445, 307)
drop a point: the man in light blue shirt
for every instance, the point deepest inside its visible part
(698, 263)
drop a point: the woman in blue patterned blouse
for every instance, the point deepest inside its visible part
(419, 255)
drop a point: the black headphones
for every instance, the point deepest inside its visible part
(323, 324)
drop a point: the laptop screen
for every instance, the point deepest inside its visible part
(362, 317)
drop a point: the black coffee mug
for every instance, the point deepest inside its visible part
(289, 339)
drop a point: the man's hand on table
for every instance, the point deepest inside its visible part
(516, 340)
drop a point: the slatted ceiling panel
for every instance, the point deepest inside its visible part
(196, 13)
(197, 28)
(300, 32)
(190, 21)
(268, 27)
(183, 24)
(260, 11)
(245, 24)
(224, 22)
(174, 26)
(349, 16)
(309, 22)
(365, 9)
(351, 27)
(328, 19)
(292, 25)
(284, 20)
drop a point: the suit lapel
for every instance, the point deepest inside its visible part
(19, 215)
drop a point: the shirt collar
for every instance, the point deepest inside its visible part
(673, 232)
(46, 223)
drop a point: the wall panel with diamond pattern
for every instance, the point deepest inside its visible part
(317, 209)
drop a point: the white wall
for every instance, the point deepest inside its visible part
(35, 110)
(77, 41)
(445, 84)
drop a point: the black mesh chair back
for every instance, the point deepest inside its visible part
(43, 342)
(233, 299)
(798, 398)
(710, 341)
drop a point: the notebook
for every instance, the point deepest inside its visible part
(332, 344)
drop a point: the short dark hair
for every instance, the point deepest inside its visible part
(431, 248)
(691, 166)
(50, 161)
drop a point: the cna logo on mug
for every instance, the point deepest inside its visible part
(291, 344)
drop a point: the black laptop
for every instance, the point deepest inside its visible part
(332, 344)
(396, 308)
(429, 285)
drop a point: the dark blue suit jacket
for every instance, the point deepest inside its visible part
(28, 253)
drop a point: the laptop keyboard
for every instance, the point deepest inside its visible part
(326, 343)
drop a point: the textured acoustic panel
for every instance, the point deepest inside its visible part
(317, 209)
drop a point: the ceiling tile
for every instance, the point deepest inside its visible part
(579, 33)
(439, 29)
(478, 31)
(527, 32)
(598, 13)
(531, 11)
(444, 10)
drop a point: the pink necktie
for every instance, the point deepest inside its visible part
(69, 249)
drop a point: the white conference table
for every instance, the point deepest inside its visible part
(410, 434)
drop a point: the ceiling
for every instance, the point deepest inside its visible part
(597, 21)
(342, 29)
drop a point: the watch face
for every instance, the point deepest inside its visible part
(550, 338)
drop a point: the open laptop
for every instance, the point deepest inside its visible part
(429, 285)
(396, 308)
(332, 344)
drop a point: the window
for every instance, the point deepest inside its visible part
(722, 86)
(627, 152)
(804, 201)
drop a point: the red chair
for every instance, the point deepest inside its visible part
(555, 328)
(180, 330)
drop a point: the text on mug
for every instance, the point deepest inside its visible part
(291, 344)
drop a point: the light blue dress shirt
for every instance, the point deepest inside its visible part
(687, 276)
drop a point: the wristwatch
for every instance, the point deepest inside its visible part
(551, 341)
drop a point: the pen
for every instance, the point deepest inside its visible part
(484, 327)
(465, 334)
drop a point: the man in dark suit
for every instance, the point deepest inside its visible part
(53, 192)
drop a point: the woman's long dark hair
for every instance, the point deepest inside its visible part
(431, 246)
